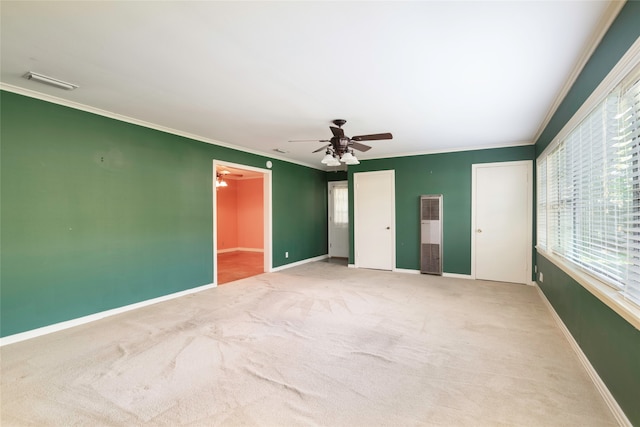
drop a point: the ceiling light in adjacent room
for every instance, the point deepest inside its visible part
(219, 181)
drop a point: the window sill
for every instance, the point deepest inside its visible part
(611, 297)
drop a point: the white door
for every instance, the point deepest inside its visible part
(338, 219)
(374, 219)
(502, 221)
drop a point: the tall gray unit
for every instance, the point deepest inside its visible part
(431, 234)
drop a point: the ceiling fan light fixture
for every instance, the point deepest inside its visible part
(340, 149)
(353, 161)
(328, 158)
(346, 157)
(333, 161)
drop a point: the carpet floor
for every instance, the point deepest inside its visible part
(318, 344)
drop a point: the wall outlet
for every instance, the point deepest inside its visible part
(541, 277)
(286, 254)
(535, 268)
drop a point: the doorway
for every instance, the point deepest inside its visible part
(241, 221)
(502, 221)
(338, 192)
(374, 219)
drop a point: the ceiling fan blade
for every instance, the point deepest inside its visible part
(372, 137)
(308, 140)
(337, 131)
(359, 147)
(227, 173)
(324, 147)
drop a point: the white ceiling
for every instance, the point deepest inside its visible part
(439, 75)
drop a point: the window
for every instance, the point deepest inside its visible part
(588, 191)
(541, 196)
(341, 206)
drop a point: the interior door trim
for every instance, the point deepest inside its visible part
(330, 234)
(267, 213)
(474, 168)
(392, 226)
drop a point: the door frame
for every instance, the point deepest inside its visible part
(267, 213)
(474, 169)
(330, 186)
(392, 175)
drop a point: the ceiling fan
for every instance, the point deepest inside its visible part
(341, 147)
(220, 182)
(224, 172)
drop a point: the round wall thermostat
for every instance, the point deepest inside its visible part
(269, 164)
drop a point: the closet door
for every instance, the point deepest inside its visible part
(374, 219)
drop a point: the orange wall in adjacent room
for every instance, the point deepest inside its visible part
(240, 214)
(250, 214)
(227, 216)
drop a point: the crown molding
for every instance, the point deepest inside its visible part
(78, 106)
(603, 26)
(450, 150)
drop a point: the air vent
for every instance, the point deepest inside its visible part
(431, 234)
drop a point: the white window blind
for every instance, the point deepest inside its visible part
(542, 204)
(340, 206)
(588, 194)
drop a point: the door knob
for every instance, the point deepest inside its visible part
(478, 231)
(388, 228)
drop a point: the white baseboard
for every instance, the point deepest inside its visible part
(224, 251)
(411, 271)
(616, 410)
(458, 276)
(97, 316)
(451, 275)
(304, 261)
(406, 270)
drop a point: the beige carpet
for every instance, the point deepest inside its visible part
(319, 344)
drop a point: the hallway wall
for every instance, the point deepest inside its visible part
(240, 215)
(251, 213)
(227, 217)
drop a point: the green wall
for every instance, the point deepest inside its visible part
(611, 344)
(98, 214)
(300, 221)
(337, 176)
(448, 174)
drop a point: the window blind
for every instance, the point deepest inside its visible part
(630, 141)
(541, 217)
(588, 192)
(340, 206)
